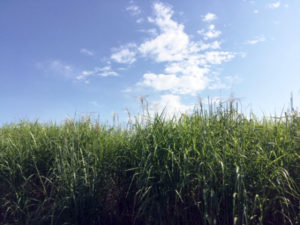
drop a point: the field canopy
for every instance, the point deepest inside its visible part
(214, 166)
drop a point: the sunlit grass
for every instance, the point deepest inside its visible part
(215, 166)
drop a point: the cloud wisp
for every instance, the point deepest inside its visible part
(105, 71)
(135, 11)
(85, 51)
(67, 71)
(256, 40)
(274, 5)
(209, 17)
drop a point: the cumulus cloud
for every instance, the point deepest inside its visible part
(86, 52)
(175, 84)
(187, 77)
(256, 40)
(187, 63)
(209, 17)
(125, 54)
(172, 42)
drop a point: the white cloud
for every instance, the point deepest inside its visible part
(274, 5)
(199, 46)
(256, 40)
(216, 57)
(171, 43)
(170, 46)
(170, 105)
(139, 20)
(209, 17)
(187, 67)
(210, 33)
(86, 52)
(187, 77)
(105, 71)
(175, 84)
(84, 74)
(97, 71)
(188, 63)
(255, 11)
(161, 82)
(125, 54)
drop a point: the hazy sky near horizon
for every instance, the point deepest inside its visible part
(74, 57)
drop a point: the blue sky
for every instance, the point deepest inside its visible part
(61, 58)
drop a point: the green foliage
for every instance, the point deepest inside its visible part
(212, 167)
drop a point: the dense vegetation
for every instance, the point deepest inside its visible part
(216, 166)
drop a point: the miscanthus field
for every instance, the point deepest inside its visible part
(215, 166)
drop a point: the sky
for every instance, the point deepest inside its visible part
(72, 58)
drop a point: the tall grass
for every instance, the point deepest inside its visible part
(215, 166)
